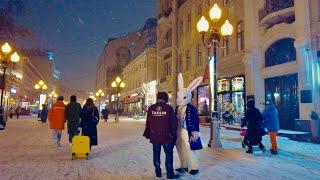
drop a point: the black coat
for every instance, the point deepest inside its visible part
(253, 120)
(89, 122)
(72, 115)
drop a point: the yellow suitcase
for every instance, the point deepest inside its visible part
(80, 147)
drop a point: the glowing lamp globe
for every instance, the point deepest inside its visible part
(226, 29)
(37, 86)
(114, 84)
(44, 87)
(6, 48)
(118, 79)
(41, 83)
(15, 57)
(122, 85)
(203, 25)
(215, 12)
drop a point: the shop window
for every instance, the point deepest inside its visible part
(282, 51)
(188, 63)
(199, 57)
(240, 36)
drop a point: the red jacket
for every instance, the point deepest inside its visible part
(56, 116)
(161, 125)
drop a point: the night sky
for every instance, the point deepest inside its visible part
(77, 31)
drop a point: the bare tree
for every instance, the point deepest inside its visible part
(9, 11)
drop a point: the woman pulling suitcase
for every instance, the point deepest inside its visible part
(89, 121)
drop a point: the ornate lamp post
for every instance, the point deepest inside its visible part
(40, 86)
(215, 39)
(118, 84)
(53, 95)
(99, 94)
(6, 59)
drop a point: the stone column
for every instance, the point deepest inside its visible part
(174, 69)
(252, 59)
(304, 56)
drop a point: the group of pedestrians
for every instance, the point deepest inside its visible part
(76, 117)
(256, 124)
(14, 111)
(166, 128)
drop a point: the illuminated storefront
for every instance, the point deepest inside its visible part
(203, 100)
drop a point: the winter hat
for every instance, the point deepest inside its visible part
(163, 95)
(251, 103)
(60, 98)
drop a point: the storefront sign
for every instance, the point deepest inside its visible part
(13, 90)
(238, 84)
(223, 85)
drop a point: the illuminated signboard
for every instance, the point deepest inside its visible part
(238, 84)
(223, 85)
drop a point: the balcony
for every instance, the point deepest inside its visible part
(274, 6)
(276, 12)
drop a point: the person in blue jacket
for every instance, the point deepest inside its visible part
(271, 118)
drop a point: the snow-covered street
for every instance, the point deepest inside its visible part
(27, 151)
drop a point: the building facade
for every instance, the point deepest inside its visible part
(118, 52)
(273, 54)
(140, 78)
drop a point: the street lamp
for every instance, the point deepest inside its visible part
(215, 38)
(99, 94)
(118, 84)
(6, 59)
(40, 86)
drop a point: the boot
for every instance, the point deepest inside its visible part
(158, 172)
(182, 170)
(194, 172)
(173, 176)
(249, 151)
(273, 152)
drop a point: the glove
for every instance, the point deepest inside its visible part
(194, 136)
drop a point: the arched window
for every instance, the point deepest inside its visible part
(282, 51)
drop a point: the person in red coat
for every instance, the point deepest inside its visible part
(57, 119)
(161, 129)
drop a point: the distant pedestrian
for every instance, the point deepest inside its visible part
(57, 119)
(89, 121)
(161, 128)
(271, 119)
(44, 113)
(18, 111)
(72, 115)
(105, 114)
(11, 112)
(254, 121)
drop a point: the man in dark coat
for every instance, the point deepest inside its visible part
(44, 113)
(254, 121)
(161, 129)
(72, 114)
